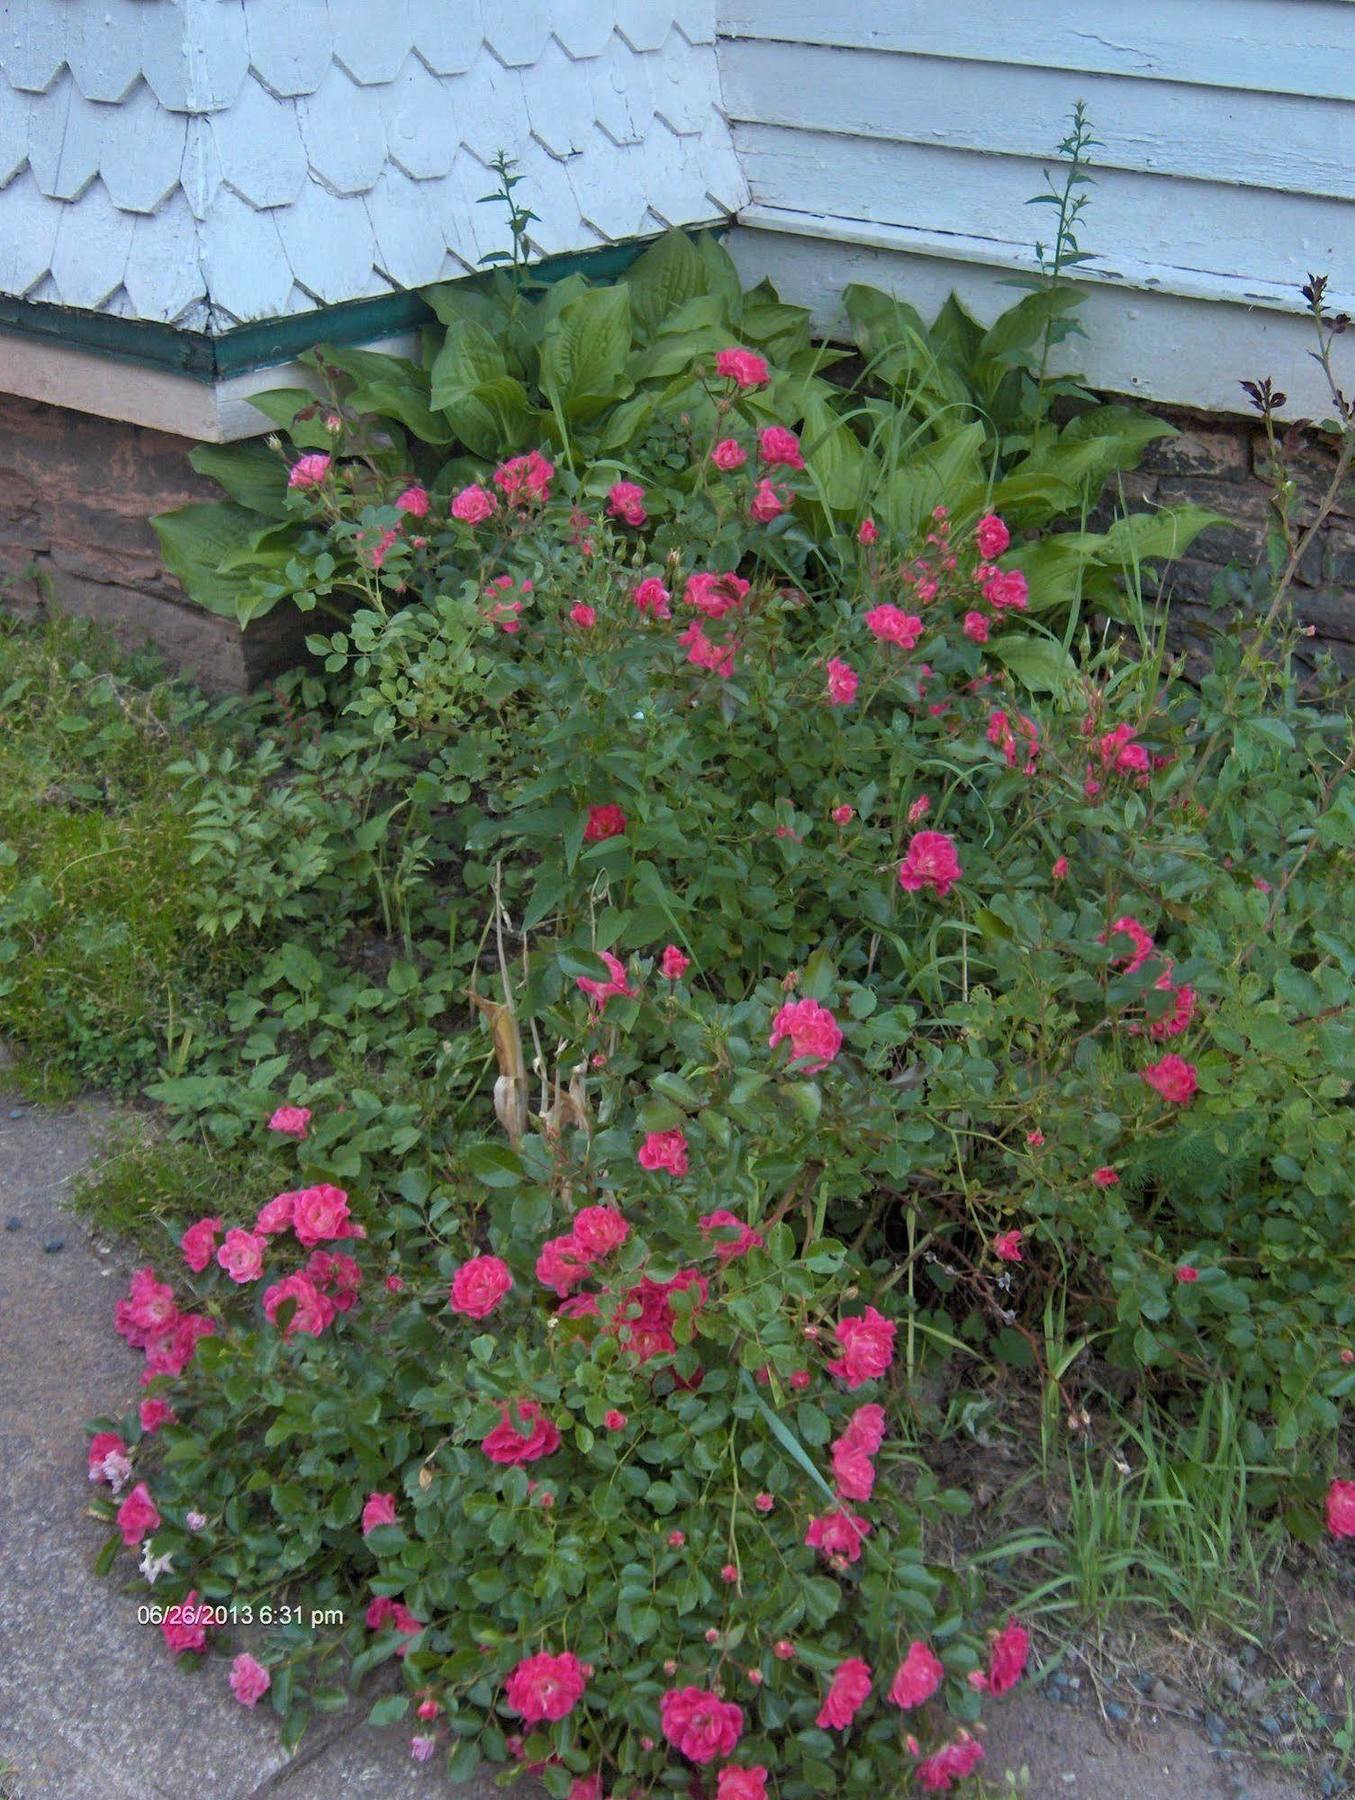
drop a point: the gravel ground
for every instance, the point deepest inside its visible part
(92, 1710)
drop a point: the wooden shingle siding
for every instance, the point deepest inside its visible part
(204, 163)
(914, 132)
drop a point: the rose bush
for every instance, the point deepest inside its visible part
(906, 972)
(623, 1493)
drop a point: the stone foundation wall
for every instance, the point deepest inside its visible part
(76, 496)
(1220, 463)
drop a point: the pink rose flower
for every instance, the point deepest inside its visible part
(198, 1242)
(336, 1275)
(1104, 1178)
(673, 965)
(613, 1420)
(153, 1413)
(867, 532)
(838, 1534)
(309, 471)
(779, 448)
(604, 822)
(1172, 1024)
(919, 809)
(1059, 869)
(600, 992)
(103, 1445)
(865, 1429)
(1186, 1274)
(652, 597)
(472, 505)
(148, 1310)
(843, 682)
(1139, 937)
(729, 454)
(815, 1035)
(170, 1351)
(743, 367)
(741, 1784)
(891, 625)
(180, 1626)
(1174, 1078)
(930, 861)
(413, 501)
(586, 1787)
(523, 1435)
(598, 1230)
(1341, 1509)
(699, 1724)
(703, 653)
(952, 1763)
(766, 504)
(847, 1694)
(1006, 1660)
(585, 617)
(545, 1687)
(917, 1677)
(1007, 1246)
(664, 1150)
(318, 1213)
(842, 815)
(728, 1249)
(385, 1614)
(291, 1121)
(1006, 588)
(626, 501)
(241, 1256)
(138, 1516)
(525, 478)
(378, 1510)
(714, 595)
(479, 1286)
(853, 1473)
(867, 1342)
(975, 627)
(250, 1681)
(314, 1311)
(991, 536)
(276, 1215)
(562, 1264)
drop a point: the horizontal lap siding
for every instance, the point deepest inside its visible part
(1277, 46)
(918, 131)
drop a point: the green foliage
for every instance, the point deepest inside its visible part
(618, 378)
(100, 965)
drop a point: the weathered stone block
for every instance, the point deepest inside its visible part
(76, 497)
(1200, 448)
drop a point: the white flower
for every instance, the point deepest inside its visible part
(153, 1567)
(115, 1469)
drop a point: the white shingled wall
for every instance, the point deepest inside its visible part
(209, 162)
(896, 141)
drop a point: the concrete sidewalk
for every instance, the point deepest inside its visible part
(91, 1705)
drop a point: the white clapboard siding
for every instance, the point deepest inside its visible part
(909, 135)
(1201, 227)
(1166, 128)
(1162, 347)
(1275, 46)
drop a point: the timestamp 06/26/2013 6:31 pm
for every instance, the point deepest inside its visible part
(230, 1612)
